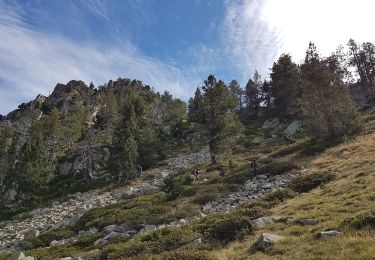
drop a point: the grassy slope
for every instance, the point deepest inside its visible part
(353, 192)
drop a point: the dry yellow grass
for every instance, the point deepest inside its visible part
(351, 193)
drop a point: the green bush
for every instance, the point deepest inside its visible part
(305, 183)
(224, 227)
(172, 187)
(363, 221)
(319, 146)
(87, 241)
(185, 179)
(313, 149)
(55, 252)
(279, 195)
(45, 239)
(291, 148)
(189, 191)
(250, 211)
(277, 168)
(154, 242)
(102, 217)
(205, 195)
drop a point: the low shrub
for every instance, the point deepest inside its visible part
(277, 168)
(154, 242)
(305, 183)
(185, 179)
(87, 241)
(102, 217)
(364, 220)
(279, 195)
(172, 187)
(251, 212)
(188, 191)
(186, 254)
(223, 227)
(291, 148)
(205, 195)
(214, 167)
(319, 146)
(313, 149)
(55, 252)
(45, 238)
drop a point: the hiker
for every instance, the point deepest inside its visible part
(88, 171)
(221, 171)
(196, 173)
(139, 169)
(254, 165)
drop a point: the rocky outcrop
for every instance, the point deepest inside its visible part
(68, 97)
(254, 188)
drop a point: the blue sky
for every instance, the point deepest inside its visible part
(169, 44)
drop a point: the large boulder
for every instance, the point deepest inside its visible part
(261, 222)
(266, 240)
(271, 123)
(293, 128)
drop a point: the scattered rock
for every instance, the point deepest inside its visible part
(266, 240)
(198, 241)
(149, 228)
(109, 229)
(306, 221)
(329, 234)
(21, 256)
(31, 233)
(340, 154)
(261, 222)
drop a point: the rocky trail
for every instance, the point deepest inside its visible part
(254, 188)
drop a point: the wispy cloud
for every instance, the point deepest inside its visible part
(33, 62)
(256, 32)
(249, 42)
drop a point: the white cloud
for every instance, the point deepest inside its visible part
(256, 32)
(32, 63)
(249, 42)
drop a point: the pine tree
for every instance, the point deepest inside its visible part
(196, 107)
(253, 92)
(221, 122)
(32, 170)
(326, 102)
(285, 86)
(127, 144)
(237, 93)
